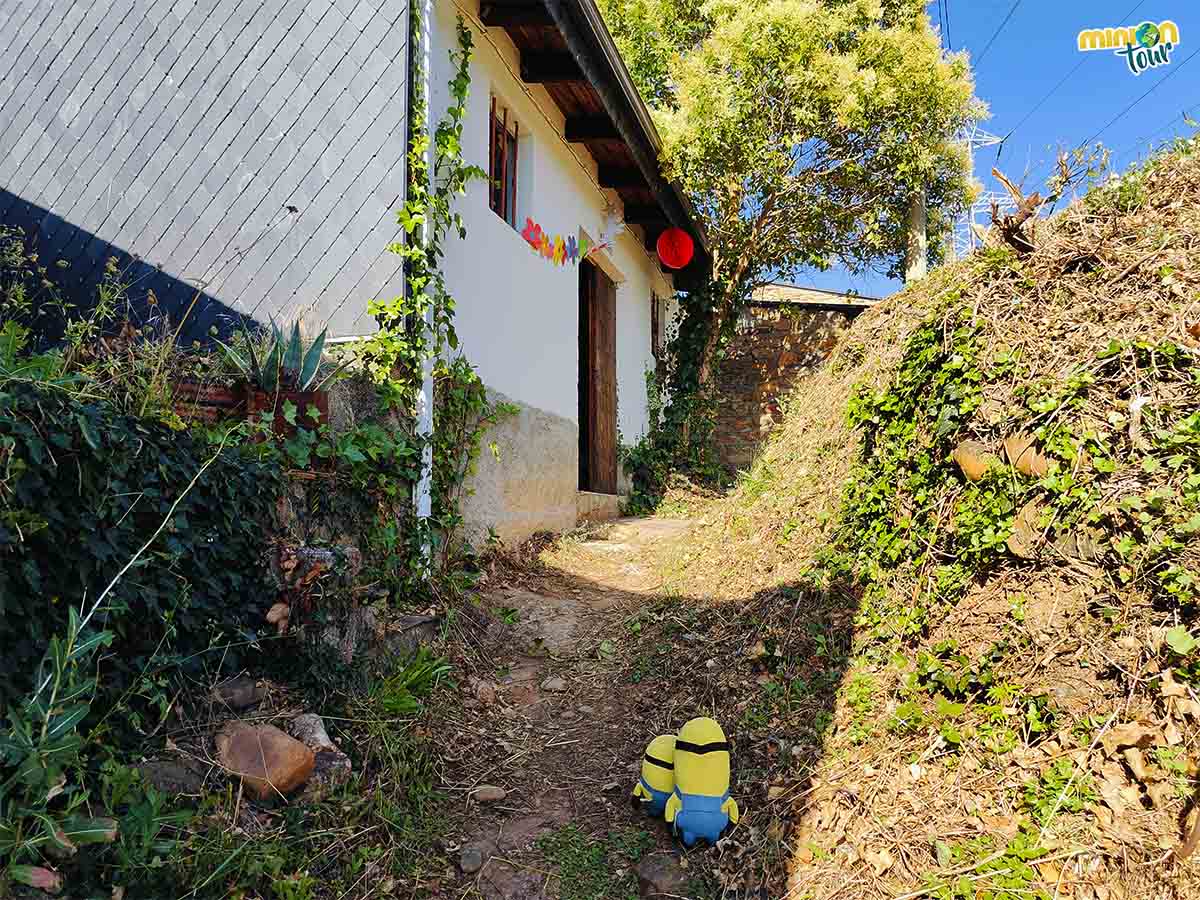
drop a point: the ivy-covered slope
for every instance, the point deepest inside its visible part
(999, 470)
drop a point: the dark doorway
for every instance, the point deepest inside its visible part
(597, 380)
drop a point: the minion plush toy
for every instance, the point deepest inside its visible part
(700, 806)
(658, 775)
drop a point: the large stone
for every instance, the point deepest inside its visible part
(974, 459)
(239, 693)
(331, 767)
(1021, 450)
(269, 762)
(407, 634)
(474, 856)
(661, 875)
(489, 793)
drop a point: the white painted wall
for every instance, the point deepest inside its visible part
(517, 314)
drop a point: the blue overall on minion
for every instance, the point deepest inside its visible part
(700, 807)
(658, 775)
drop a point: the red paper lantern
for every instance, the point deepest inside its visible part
(675, 248)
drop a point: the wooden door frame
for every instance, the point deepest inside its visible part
(597, 380)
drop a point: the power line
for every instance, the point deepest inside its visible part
(1183, 116)
(1146, 93)
(1150, 90)
(1054, 90)
(996, 33)
(949, 37)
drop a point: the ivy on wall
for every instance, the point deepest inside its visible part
(418, 327)
(82, 487)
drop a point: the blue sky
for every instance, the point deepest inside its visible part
(1036, 50)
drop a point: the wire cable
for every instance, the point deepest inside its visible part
(1173, 123)
(949, 37)
(1054, 90)
(1146, 93)
(996, 33)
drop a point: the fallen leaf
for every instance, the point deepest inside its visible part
(880, 862)
(1161, 794)
(1136, 762)
(1171, 687)
(1026, 535)
(1130, 734)
(1172, 733)
(1188, 707)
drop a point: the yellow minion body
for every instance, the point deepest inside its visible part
(658, 775)
(700, 806)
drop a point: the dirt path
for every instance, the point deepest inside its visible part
(554, 722)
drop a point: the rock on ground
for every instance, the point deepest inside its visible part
(268, 761)
(172, 776)
(239, 693)
(661, 875)
(331, 767)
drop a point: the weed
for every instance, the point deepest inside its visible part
(588, 869)
(1009, 875)
(860, 697)
(1059, 789)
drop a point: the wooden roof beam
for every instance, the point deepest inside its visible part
(646, 216)
(542, 67)
(512, 15)
(580, 129)
(615, 178)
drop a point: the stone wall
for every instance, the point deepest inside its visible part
(529, 484)
(774, 346)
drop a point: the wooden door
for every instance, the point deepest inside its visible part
(597, 380)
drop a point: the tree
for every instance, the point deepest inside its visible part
(802, 130)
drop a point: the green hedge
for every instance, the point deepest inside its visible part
(82, 487)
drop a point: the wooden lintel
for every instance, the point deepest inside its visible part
(510, 15)
(590, 128)
(645, 215)
(541, 67)
(614, 177)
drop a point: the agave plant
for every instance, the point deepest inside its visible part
(287, 366)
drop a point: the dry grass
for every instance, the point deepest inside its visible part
(888, 810)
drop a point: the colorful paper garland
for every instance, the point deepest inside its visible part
(557, 249)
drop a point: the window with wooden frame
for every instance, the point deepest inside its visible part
(502, 163)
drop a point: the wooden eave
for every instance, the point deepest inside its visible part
(565, 48)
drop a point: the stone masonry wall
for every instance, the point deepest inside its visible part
(775, 345)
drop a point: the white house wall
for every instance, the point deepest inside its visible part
(517, 313)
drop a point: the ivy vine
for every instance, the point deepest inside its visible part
(417, 327)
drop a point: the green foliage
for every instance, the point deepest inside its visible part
(588, 869)
(1060, 788)
(418, 325)
(865, 107)
(399, 693)
(286, 365)
(82, 487)
(890, 520)
(1004, 874)
(42, 814)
